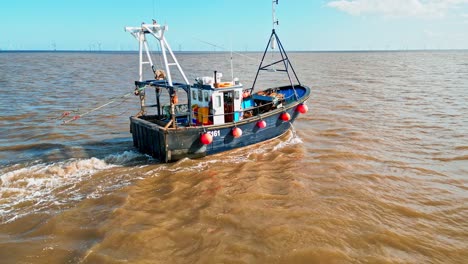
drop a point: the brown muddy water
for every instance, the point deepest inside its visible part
(376, 172)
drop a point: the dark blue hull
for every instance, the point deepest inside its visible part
(251, 133)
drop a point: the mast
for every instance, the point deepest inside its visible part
(274, 3)
(273, 40)
(158, 32)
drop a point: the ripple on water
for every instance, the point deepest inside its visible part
(375, 172)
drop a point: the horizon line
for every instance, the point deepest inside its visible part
(245, 51)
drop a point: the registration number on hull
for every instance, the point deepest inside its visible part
(215, 133)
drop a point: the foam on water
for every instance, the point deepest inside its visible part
(37, 187)
(236, 156)
(127, 157)
(293, 140)
(378, 174)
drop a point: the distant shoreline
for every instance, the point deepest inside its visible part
(221, 52)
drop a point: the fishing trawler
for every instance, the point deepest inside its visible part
(216, 115)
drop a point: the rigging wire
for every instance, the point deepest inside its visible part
(221, 47)
(78, 116)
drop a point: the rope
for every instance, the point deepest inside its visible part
(65, 114)
(76, 117)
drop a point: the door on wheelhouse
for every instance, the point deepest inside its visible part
(228, 106)
(218, 107)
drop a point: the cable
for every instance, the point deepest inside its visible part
(217, 46)
(76, 117)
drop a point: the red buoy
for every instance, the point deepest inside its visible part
(236, 132)
(261, 124)
(285, 117)
(206, 138)
(302, 108)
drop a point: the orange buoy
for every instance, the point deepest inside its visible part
(285, 117)
(174, 99)
(206, 138)
(261, 124)
(302, 108)
(236, 132)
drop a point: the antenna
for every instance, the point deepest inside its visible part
(284, 57)
(232, 68)
(275, 21)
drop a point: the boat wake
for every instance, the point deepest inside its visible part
(252, 153)
(45, 187)
(292, 139)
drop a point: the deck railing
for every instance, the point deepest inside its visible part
(252, 111)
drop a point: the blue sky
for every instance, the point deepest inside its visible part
(242, 24)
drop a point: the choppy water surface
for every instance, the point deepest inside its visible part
(376, 172)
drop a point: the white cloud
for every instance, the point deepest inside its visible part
(397, 8)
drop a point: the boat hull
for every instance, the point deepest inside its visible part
(168, 145)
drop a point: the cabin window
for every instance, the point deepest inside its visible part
(200, 96)
(236, 95)
(194, 95)
(207, 99)
(218, 101)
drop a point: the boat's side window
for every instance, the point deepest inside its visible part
(218, 101)
(236, 95)
(194, 95)
(200, 97)
(207, 99)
